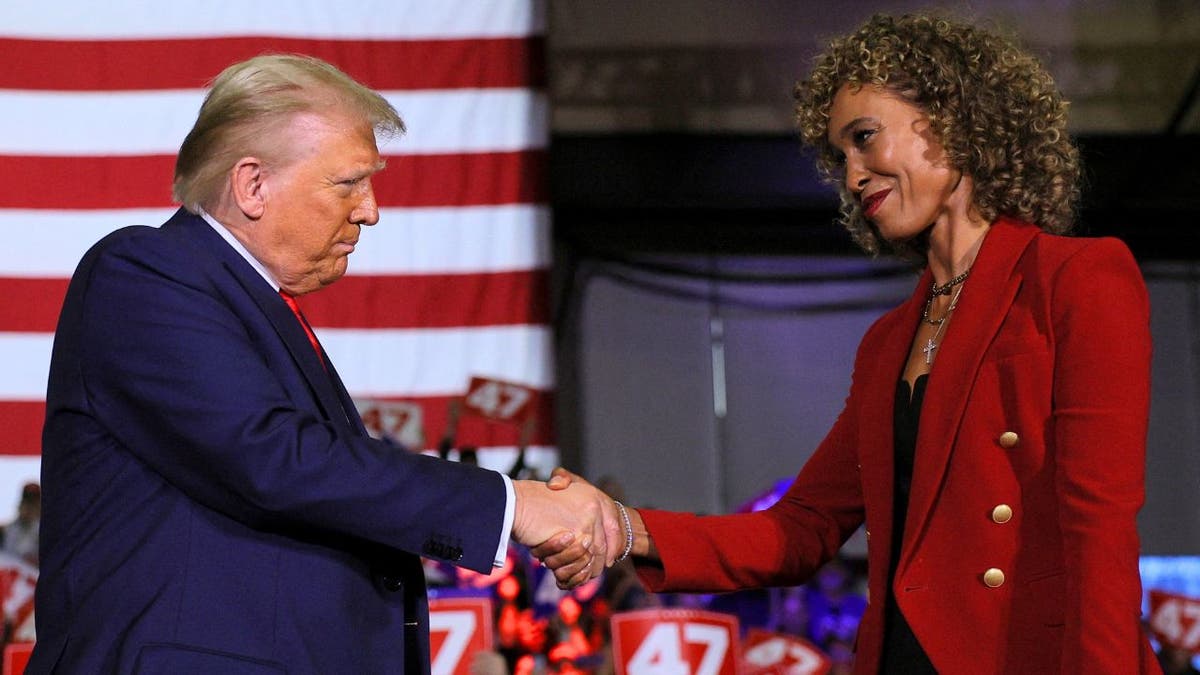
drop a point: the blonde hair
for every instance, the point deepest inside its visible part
(249, 100)
(994, 108)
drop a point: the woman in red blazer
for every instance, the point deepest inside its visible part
(993, 441)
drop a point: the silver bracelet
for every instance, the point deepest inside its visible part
(628, 531)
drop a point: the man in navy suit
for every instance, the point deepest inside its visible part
(212, 503)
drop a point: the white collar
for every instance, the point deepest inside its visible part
(237, 246)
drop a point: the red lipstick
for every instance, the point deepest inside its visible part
(870, 204)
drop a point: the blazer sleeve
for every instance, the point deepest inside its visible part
(783, 545)
(1100, 315)
(176, 376)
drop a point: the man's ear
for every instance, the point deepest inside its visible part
(246, 180)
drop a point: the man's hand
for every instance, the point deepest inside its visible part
(569, 561)
(578, 522)
(558, 554)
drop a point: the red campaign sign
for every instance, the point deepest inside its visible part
(16, 657)
(399, 421)
(674, 642)
(458, 629)
(500, 400)
(18, 580)
(1175, 620)
(768, 653)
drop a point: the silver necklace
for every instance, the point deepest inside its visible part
(932, 343)
(936, 290)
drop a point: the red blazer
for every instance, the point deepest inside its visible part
(1021, 550)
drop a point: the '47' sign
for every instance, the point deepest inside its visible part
(1175, 619)
(674, 642)
(499, 400)
(458, 629)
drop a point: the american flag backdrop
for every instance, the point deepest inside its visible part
(451, 284)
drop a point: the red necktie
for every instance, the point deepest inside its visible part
(312, 337)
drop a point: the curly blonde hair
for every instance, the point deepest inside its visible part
(994, 108)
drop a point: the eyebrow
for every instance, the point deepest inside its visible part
(371, 171)
(845, 131)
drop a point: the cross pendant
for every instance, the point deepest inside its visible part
(930, 345)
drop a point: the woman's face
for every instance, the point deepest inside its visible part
(894, 165)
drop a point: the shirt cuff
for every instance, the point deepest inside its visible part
(510, 508)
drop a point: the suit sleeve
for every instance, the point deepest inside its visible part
(783, 545)
(1100, 314)
(180, 381)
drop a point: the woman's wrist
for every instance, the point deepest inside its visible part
(643, 545)
(626, 529)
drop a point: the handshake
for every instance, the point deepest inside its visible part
(573, 528)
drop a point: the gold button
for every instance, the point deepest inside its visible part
(1002, 513)
(993, 578)
(1009, 440)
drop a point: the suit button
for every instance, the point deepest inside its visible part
(392, 583)
(1009, 440)
(993, 578)
(1002, 514)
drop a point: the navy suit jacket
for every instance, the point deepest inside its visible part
(211, 501)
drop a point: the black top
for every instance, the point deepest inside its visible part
(902, 653)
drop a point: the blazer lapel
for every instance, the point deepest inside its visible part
(881, 373)
(985, 302)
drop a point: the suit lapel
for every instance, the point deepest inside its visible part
(985, 303)
(325, 386)
(347, 403)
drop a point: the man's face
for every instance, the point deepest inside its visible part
(315, 201)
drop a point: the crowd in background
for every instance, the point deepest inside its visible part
(18, 565)
(541, 629)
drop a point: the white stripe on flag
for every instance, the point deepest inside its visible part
(49, 244)
(372, 362)
(455, 240)
(25, 362)
(16, 471)
(362, 20)
(437, 361)
(67, 124)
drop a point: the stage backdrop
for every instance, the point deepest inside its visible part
(96, 97)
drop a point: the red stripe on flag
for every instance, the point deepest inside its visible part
(473, 179)
(22, 425)
(104, 65)
(400, 301)
(464, 180)
(431, 301)
(479, 431)
(31, 305)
